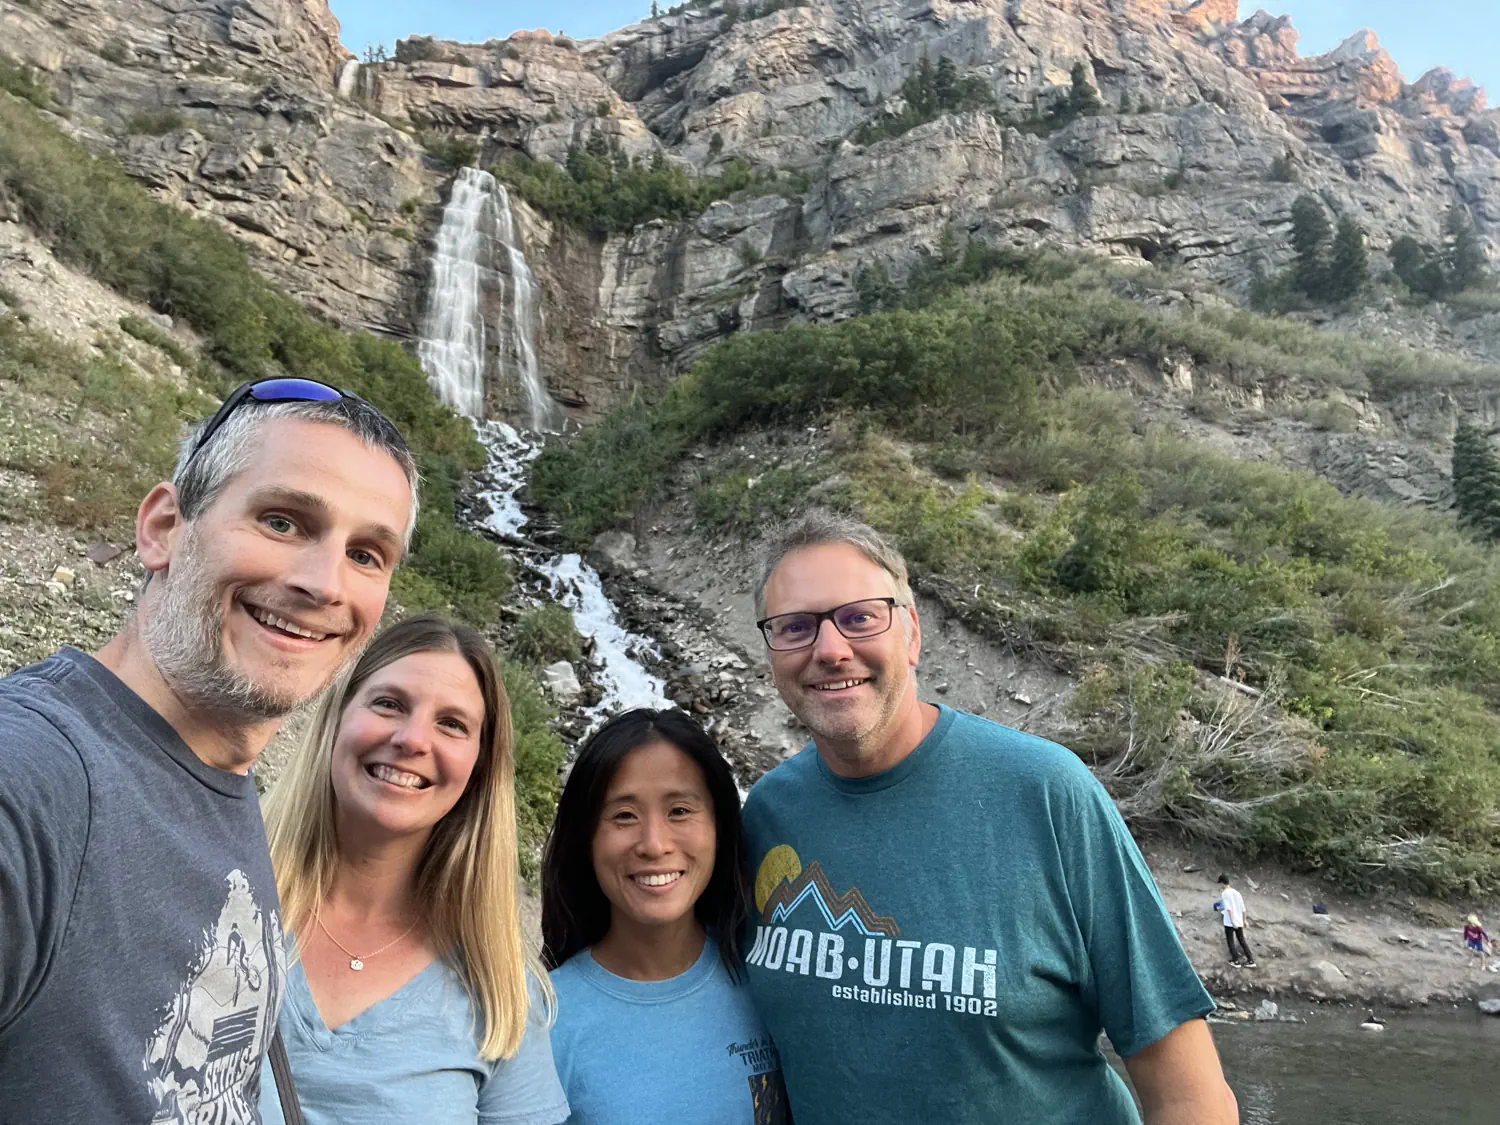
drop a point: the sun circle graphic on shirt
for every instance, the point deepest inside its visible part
(781, 862)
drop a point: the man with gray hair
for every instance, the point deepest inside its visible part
(949, 911)
(141, 960)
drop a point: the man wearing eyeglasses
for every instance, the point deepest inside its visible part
(140, 943)
(947, 912)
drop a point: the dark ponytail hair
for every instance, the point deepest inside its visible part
(575, 911)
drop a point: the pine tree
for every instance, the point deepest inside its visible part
(1463, 257)
(1408, 256)
(945, 84)
(655, 11)
(1081, 98)
(947, 248)
(1310, 240)
(920, 88)
(1476, 481)
(874, 288)
(1349, 265)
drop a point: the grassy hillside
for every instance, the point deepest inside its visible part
(1261, 660)
(97, 434)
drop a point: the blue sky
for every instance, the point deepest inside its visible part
(1463, 35)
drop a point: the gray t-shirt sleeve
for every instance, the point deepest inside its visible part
(44, 821)
(524, 1089)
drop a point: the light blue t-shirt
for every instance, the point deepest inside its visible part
(411, 1059)
(945, 941)
(685, 1051)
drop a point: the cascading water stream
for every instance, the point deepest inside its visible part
(478, 262)
(348, 79)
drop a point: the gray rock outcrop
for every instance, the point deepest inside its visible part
(264, 122)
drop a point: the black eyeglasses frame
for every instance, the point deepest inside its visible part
(828, 615)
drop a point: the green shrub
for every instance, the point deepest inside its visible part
(600, 189)
(149, 333)
(154, 122)
(17, 79)
(450, 151)
(546, 634)
(746, 501)
(540, 755)
(1282, 171)
(419, 48)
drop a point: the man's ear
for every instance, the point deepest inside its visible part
(913, 637)
(158, 522)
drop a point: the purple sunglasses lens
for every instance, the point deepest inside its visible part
(302, 390)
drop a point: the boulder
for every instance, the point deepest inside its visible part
(562, 682)
(1320, 979)
(614, 550)
(1266, 1011)
(1490, 1007)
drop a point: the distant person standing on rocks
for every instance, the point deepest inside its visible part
(141, 963)
(1232, 906)
(948, 912)
(1476, 940)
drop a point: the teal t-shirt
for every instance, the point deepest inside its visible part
(945, 941)
(685, 1051)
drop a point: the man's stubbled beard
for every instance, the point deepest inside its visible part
(184, 635)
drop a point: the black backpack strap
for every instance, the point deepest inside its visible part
(286, 1089)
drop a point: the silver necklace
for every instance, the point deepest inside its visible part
(357, 962)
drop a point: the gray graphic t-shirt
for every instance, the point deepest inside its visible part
(141, 959)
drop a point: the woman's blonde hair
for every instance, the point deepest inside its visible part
(468, 878)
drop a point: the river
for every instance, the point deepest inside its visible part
(1423, 1069)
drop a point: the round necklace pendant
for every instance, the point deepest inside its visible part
(356, 964)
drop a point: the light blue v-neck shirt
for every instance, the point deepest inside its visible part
(411, 1059)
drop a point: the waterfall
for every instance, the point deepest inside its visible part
(480, 278)
(348, 79)
(526, 318)
(479, 270)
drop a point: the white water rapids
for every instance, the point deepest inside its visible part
(478, 261)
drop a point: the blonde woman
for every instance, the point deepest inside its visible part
(413, 998)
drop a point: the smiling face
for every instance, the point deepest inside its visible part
(264, 597)
(655, 843)
(407, 744)
(853, 695)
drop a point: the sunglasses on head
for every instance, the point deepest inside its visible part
(270, 390)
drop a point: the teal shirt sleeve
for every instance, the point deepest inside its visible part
(1139, 978)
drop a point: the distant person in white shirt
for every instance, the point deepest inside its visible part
(1232, 905)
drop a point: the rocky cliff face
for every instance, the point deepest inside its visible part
(314, 161)
(229, 109)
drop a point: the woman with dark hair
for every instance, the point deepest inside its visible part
(643, 896)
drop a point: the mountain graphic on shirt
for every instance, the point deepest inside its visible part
(783, 884)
